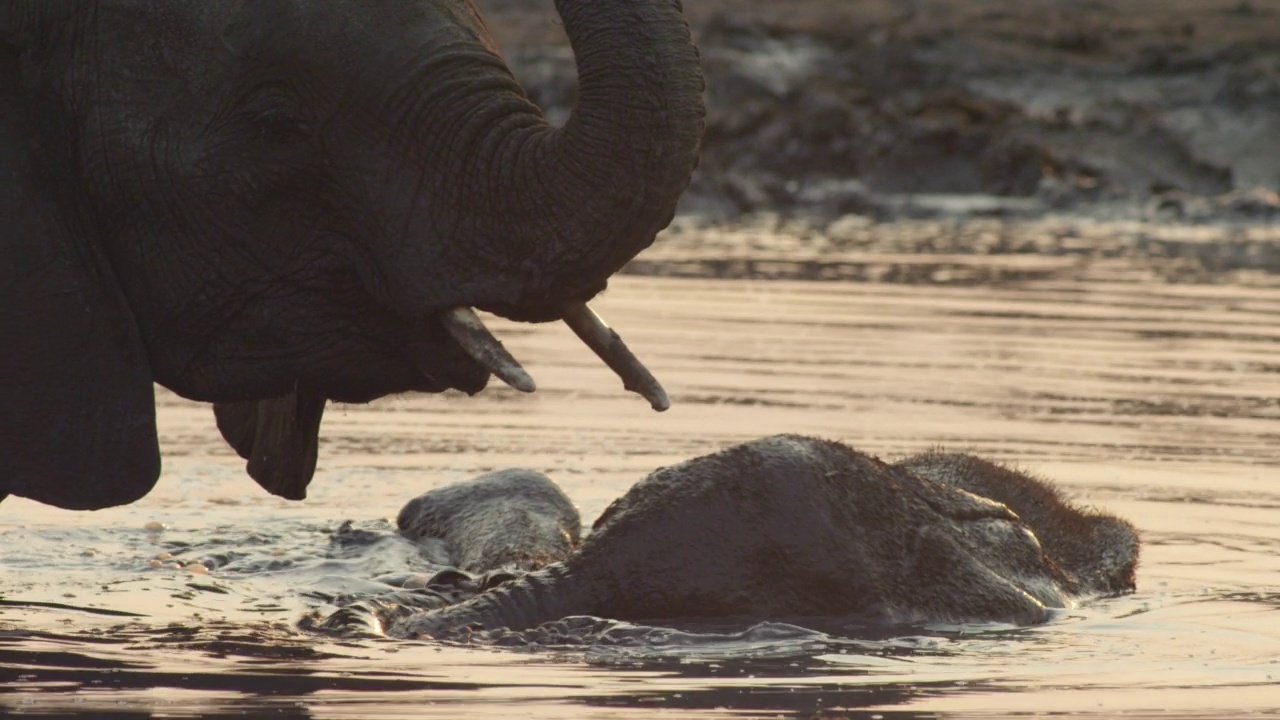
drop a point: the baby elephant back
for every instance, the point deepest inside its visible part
(791, 526)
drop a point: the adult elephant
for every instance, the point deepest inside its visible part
(275, 203)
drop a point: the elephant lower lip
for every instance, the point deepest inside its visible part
(461, 374)
(454, 350)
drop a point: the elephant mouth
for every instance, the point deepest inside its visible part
(466, 327)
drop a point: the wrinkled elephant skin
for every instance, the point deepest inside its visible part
(514, 520)
(791, 527)
(269, 205)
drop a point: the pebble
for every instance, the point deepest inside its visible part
(197, 569)
(154, 526)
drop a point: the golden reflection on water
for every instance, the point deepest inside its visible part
(1158, 402)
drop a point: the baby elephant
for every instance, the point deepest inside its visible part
(788, 527)
(508, 520)
(493, 529)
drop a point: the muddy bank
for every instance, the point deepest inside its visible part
(1157, 110)
(966, 250)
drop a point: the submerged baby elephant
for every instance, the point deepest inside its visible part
(508, 520)
(480, 533)
(788, 527)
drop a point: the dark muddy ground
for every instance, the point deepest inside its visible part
(1155, 110)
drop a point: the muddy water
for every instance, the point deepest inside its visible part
(1159, 402)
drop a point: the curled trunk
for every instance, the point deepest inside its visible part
(626, 155)
(505, 213)
(527, 218)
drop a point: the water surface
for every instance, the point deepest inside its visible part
(1153, 400)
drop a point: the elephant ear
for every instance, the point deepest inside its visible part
(279, 437)
(77, 406)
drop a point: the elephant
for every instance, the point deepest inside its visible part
(507, 520)
(791, 527)
(478, 534)
(269, 205)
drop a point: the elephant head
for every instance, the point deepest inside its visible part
(274, 203)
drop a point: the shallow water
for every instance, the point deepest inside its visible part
(1157, 402)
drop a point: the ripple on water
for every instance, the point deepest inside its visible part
(1156, 402)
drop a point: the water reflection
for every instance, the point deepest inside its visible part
(1157, 402)
(283, 668)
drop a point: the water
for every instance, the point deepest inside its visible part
(1153, 400)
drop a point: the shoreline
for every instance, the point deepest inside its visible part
(964, 250)
(1112, 110)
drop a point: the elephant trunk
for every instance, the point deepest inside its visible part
(538, 597)
(525, 220)
(599, 189)
(637, 127)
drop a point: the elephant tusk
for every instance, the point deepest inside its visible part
(468, 329)
(605, 342)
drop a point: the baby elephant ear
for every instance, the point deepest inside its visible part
(77, 408)
(279, 437)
